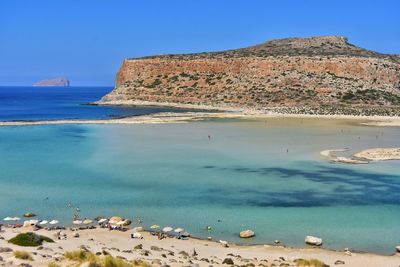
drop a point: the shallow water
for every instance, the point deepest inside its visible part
(264, 175)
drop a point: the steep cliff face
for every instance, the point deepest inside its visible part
(293, 72)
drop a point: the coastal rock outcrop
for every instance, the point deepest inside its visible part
(59, 81)
(325, 73)
(312, 240)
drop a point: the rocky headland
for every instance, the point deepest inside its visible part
(316, 75)
(59, 81)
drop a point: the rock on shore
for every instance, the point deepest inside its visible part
(247, 234)
(314, 241)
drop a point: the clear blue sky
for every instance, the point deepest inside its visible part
(87, 40)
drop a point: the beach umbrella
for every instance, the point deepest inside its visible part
(87, 221)
(11, 219)
(102, 220)
(179, 230)
(167, 229)
(121, 223)
(44, 222)
(77, 222)
(53, 222)
(154, 226)
(115, 219)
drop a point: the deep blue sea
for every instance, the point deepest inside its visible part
(53, 103)
(266, 175)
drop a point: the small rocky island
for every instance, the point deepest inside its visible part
(59, 81)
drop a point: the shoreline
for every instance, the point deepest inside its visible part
(175, 252)
(185, 117)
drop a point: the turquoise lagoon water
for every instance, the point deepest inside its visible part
(264, 175)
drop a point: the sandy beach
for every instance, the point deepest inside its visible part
(183, 117)
(175, 252)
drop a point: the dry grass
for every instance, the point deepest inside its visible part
(23, 255)
(53, 264)
(82, 256)
(79, 255)
(310, 263)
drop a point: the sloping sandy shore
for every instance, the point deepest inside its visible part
(364, 156)
(175, 252)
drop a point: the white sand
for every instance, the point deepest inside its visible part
(182, 117)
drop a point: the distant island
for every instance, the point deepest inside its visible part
(323, 75)
(59, 81)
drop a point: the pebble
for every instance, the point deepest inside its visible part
(5, 249)
(155, 248)
(339, 262)
(140, 246)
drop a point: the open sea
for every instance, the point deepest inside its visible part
(266, 175)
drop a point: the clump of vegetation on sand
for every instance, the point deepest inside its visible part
(23, 255)
(29, 240)
(310, 263)
(83, 256)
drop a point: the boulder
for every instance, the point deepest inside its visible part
(247, 234)
(30, 223)
(314, 241)
(224, 243)
(398, 249)
(76, 234)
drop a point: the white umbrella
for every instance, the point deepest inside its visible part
(11, 219)
(167, 229)
(53, 222)
(179, 230)
(44, 222)
(103, 220)
(77, 222)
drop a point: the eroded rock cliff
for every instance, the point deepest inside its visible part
(294, 72)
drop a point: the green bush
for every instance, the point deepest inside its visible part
(29, 240)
